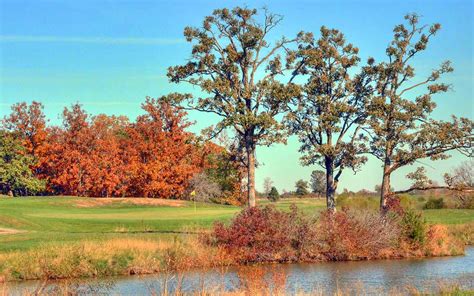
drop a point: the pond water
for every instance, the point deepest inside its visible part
(358, 278)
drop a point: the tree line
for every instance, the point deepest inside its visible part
(314, 87)
(109, 156)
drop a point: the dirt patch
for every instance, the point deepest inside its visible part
(4, 231)
(98, 202)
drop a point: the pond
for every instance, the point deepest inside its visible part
(360, 278)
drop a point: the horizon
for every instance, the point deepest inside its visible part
(111, 62)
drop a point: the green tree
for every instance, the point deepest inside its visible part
(238, 71)
(329, 113)
(273, 195)
(16, 176)
(301, 187)
(318, 182)
(402, 130)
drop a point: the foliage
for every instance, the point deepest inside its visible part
(238, 70)
(226, 171)
(349, 235)
(434, 203)
(401, 127)
(265, 235)
(110, 156)
(29, 123)
(273, 195)
(16, 177)
(301, 188)
(329, 112)
(414, 227)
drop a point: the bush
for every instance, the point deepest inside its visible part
(266, 235)
(435, 203)
(273, 195)
(355, 235)
(414, 227)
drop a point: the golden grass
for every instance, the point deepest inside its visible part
(98, 202)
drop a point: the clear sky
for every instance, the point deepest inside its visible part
(110, 55)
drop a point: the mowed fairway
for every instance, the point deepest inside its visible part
(31, 221)
(64, 219)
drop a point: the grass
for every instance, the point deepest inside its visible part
(68, 219)
(71, 219)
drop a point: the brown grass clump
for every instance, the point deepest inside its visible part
(441, 243)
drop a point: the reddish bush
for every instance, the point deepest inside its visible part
(349, 235)
(265, 235)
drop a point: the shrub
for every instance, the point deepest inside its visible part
(273, 195)
(435, 203)
(355, 235)
(413, 227)
(264, 234)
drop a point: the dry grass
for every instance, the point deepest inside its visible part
(99, 202)
(107, 258)
(4, 231)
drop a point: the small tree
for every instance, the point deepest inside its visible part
(318, 182)
(267, 186)
(273, 195)
(237, 69)
(301, 188)
(16, 177)
(204, 188)
(402, 130)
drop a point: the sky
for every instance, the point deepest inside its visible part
(110, 55)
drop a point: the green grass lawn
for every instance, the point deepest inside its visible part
(63, 219)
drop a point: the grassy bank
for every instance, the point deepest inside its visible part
(64, 237)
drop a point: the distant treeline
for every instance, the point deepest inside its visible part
(109, 156)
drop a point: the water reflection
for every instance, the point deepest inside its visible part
(367, 278)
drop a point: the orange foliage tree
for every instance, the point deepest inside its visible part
(108, 156)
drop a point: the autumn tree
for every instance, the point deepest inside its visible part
(68, 158)
(329, 113)
(16, 176)
(402, 130)
(238, 69)
(165, 151)
(29, 123)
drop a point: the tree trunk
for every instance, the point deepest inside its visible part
(251, 176)
(330, 187)
(385, 190)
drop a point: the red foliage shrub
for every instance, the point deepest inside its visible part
(266, 235)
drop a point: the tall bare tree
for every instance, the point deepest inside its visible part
(237, 68)
(402, 130)
(328, 115)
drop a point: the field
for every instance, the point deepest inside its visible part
(27, 222)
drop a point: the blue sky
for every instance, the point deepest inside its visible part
(110, 55)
